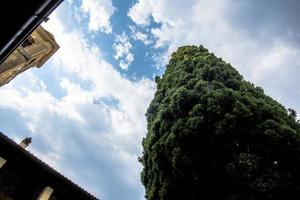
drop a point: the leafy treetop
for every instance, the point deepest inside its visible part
(212, 135)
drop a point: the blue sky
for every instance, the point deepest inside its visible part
(85, 107)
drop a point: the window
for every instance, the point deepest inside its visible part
(28, 41)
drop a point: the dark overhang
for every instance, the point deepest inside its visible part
(37, 172)
(18, 19)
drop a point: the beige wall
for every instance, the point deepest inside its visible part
(40, 46)
(2, 161)
(46, 193)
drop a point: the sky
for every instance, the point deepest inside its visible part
(85, 108)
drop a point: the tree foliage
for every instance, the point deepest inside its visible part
(212, 135)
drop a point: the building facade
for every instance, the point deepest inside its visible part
(19, 19)
(25, 177)
(33, 52)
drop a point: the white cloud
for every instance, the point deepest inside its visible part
(140, 12)
(138, 35)
(133, 97)
(95, 144)
(260, 55)
(179, 28)
(277, 59)
(99, 13)
(122, 47)
(166, 11)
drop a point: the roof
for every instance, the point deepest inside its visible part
(24, 160)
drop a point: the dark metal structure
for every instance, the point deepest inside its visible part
(18, 19)
(24, 176)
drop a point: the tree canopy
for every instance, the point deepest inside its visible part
(213, 135)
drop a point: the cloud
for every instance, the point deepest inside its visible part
(258, 38)
(94, 143)
(99, 13)
(125, 123)
(92, 130)
(138, 35)
(140, 12)
(274, 19)
(122, 47)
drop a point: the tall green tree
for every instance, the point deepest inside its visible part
(213, 135)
